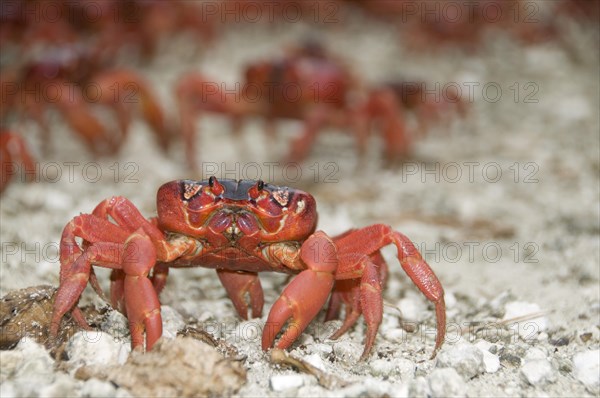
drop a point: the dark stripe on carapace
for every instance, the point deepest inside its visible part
(234, 189)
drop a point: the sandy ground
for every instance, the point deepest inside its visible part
(504, 205)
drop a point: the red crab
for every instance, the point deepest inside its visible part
(59, 67)
(239, 228)
(65, 81)
(308, 85)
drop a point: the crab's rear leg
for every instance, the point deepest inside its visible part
(352, 293)
(347, 292)
(364, 297)
(371, 239)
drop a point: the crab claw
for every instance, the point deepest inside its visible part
(299, 303)
(302, 299)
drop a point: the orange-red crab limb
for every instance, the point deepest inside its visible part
(14, 155)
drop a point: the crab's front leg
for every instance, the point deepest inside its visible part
(306, 294)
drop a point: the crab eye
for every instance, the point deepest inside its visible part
(256, 189)
(216, 187)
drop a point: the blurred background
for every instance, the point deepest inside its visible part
(472, 127)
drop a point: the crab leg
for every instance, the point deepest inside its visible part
(13, 152)
(371, 239)
(125, 214)
(117, 291)
(159, 276)
(128, 217)
(306, 294)
(91, 229)
(131, 249)
(237, 286)
(371, 303)
(384, 105)
(195, 94)
(302, 145)
(348, 292)
(74, 279)
(141, 300)
(133, 88)
(82, 121)
(362, 296)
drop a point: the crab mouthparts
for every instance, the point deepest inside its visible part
(235, 223)
(232, 232)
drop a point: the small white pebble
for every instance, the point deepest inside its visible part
(305, 339)
(286, 382)
(406, 368)
(491, 362)
(382, 367)
(535, 353)
(464, 357)
(586, 369)
(446, 382)
(315, 360)
(538, 372)
(96, 348)
(377, 387)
